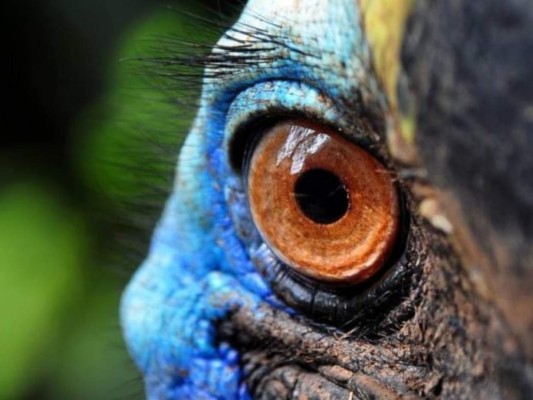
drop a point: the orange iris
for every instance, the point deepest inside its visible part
(325, 206)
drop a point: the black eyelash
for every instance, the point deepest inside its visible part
(173, 67)
(200, 60)
(180, 60)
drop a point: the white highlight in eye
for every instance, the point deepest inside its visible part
(300, 143)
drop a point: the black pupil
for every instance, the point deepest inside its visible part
(321, 196)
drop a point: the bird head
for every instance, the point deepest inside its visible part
(351, 214)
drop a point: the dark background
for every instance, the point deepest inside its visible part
(89, 138)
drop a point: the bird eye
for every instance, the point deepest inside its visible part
(326, 207)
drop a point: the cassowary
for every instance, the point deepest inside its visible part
(352, 211)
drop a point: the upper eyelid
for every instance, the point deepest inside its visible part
(280, 95)
(291, 99)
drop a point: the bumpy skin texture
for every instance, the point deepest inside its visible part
(203, 317)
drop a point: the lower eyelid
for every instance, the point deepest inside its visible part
(349, 306)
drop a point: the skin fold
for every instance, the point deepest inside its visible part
(441, 94)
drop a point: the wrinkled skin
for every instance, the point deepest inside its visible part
(459, 324)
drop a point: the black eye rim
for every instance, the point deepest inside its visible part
(343, 306)
(346, 306)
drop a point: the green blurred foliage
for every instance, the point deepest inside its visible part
(42, 248)
(59, 331)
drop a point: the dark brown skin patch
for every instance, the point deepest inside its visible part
(442, 351)
(468, 65)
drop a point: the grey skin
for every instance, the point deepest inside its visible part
(461, 327)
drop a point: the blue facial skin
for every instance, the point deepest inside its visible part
(198, 268)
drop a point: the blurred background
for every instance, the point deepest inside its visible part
(94, 109)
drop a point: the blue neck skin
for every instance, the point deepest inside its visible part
(198, 269)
